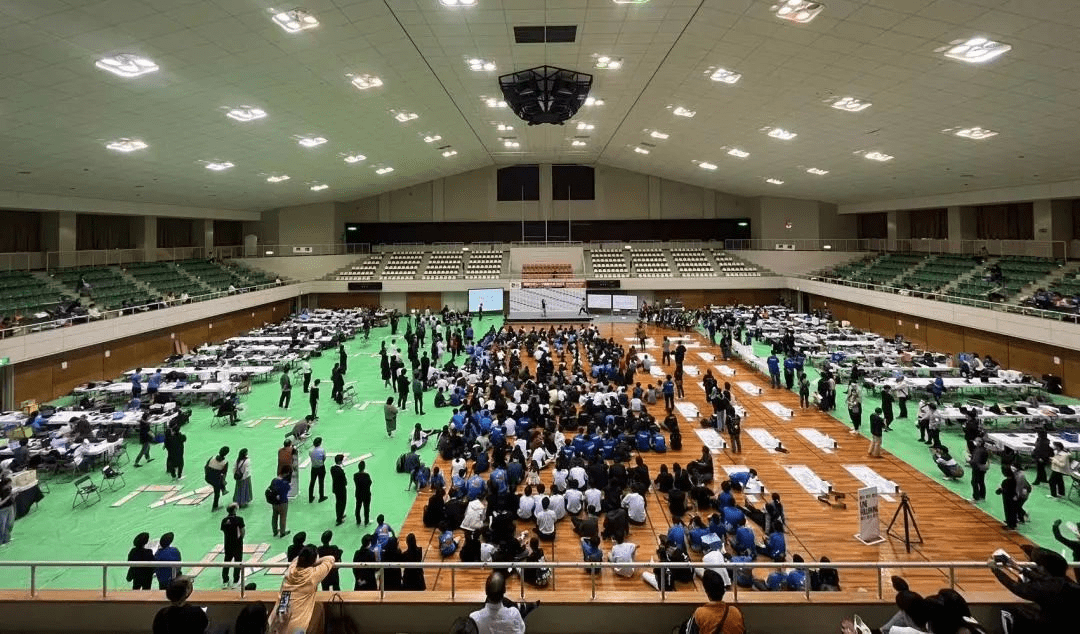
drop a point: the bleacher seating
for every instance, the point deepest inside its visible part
(403, 265)
(213, 276)
(443, 265)
(484, 265)
(109, 289)
(547, 271)
(360, 272)
(692, 263)
(21, 292)
(650, 263)
(609, 263)
(730, 266)
(164, 278)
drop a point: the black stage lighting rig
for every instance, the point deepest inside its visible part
(545, 94)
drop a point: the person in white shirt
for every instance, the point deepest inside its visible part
(592, 498)
(456, 465)
(579, 476)
(545, 521)
(635, 507)
(622, 552)
(573, 499)
(496, 617)
(474, 516)
(558, 479)
(558, 505)
(510, 427)
(635, 404)
(541, 456)
(526, 504)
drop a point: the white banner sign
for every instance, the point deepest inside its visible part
(869, 524)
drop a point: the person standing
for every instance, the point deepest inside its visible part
(331, 581)
(854, 408)
(734, 429)
(669, 393)
(1008, 494)
(337, 381)
(362, 483)
(418, 395)
(339, 485)
(877, 430)
(1042, 453)
(680, 353)
(145, 438)
(305, 370)
(1059, 466)
(242, 476)
(174, 451)
(136, 383)
(318, 470)
(232, 528)
(543, 309)
(804, 391)
(901, 392)
(286, 391)
(665, 348)
(343, 359)
(277, 494)
(216, 470)
(390, 412)
(313, 399)
(980, 464)
(774, 370)
(887, 406)
(7, 508)
(402, 388)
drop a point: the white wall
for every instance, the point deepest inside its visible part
(302, 267)
(797, 262)
(49, 202)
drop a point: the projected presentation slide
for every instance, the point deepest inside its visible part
(552, 301)
(624, 302)
(491, 298)
(598, 300)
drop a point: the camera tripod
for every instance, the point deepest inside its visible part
(909, 523)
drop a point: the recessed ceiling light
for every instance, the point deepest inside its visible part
(406, 116)
(577, 143)
(737, 153)
(774, 181)
(493, 102)
(801, 11)
(219, 167)
(318, 187)
(629, 1)
(295, 20)
(640, 150)
(878, 156)
(603, 62)
(363, 82)
(126, 145)
(353, 158)
(850, 104)
(585, 126)
(310, 141)
(511, 143)
(817, 172)
(449, 153)
(726, 76)
(478, 65)
(742, 224)
(975, 133)
(502, 127)
(706, 166)
(656, 134)
(975, 50)
(679, 111)
(782, 134)
(126, 65)
(432, 138)
(457, 3)
(593, 101)
(277, 179)
(245, 113)
(384, 170)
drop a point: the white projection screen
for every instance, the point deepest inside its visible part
(491, 298)
(624, 302)
(599, 300)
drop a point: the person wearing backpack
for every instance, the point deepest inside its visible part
(715, 617)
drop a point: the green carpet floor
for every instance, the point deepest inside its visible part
(53, 531)
(903, 442)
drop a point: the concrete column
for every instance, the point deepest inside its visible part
(898, 227)
(544, 212)
(383, 206)
(144, 235)
(655, 211)
(65, 231)
(708, 203)
(206, 238)
(1053, 222)
(962, 226)
(438, 213)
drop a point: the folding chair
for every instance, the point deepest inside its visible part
(84, 488)
(111, 478)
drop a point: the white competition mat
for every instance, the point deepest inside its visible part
(749, 387)
(707, 356)
(712, 439)
(822, 441)
(781, 412)
(657, 371)
(692, 370)
(871, 478)
(725, 370)
(688, 410)
(807, 479)
(741, 468)
(762, 437)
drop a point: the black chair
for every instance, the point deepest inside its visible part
(84, 490)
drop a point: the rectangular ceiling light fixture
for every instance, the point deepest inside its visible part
(478, 65)
(458, 3)
(219, 167)
(975, 51)
(277, 179)
(850, 104)
(384, 170)
(406, 116)
(585, 126)
(545, 34)
(353, 158)
(725, 76)
(774, 181)
(706, 166)
(782, 134)
(311, 141)
(976, 133)
(494, 103)
(363, 82)
(319, 187)
(449, 153)
(126, 145)
(245, 113)
(799, 11)
(656, 134)
(603, 62)
(593, 101)
(431, 138)
(502, 127)
(881, 157)
(679, 111)
(641, 150)
(295, 20)
(817, 172)
(126, 65)
(737, 153)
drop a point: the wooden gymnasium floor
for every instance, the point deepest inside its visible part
(952, 528)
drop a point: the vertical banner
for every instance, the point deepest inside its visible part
(869, 523)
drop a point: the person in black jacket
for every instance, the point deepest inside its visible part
(339, 484)
(1071, 543)
(413, 578)
(140, 578)
(331, 581)
(146, 437)
(364, 578)
(1041, 454)
(1009, 501)
(887, 406)
(362, 482)
(174, 451)
(1046, 585)
(313, 399)
(980, 464)
(877, 429)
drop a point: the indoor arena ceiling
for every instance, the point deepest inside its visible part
(59, 110)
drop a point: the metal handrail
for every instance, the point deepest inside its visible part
(453, 567)
(39, 326)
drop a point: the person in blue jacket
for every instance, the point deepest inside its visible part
(789, 371)
(775, 547)
(774, 370)
(153, 383)
(744, 542)
(740, 478)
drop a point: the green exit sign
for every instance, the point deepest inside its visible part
(4, 361)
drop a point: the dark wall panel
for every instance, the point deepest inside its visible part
(584, 231)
